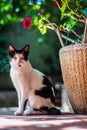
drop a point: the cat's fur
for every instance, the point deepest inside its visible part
(32, 86)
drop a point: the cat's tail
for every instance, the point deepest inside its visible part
(54, 111)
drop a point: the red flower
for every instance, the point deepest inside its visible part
(27, 23)
(57, 4)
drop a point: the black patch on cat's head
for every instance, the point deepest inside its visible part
(25, 51)
(11, 50)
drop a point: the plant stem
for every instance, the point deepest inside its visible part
(54, 27)
(60, 37)
(85, 32)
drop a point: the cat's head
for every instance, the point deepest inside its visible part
(18, 56)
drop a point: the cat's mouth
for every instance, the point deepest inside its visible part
(19, 65)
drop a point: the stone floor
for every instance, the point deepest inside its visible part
(63, 122)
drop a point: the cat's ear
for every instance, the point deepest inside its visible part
(11, 50)
(26, 50)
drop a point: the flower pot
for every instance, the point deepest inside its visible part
(73, 60)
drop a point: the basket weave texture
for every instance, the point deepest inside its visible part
(73, 61)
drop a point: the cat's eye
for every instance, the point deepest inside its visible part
(15, 57)
(22, 58)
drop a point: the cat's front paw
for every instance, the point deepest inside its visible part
(28, 112)
(18, 113)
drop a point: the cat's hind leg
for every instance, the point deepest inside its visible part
(34, 112)
(41, 111)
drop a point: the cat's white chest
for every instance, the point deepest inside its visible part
(19, 78)
(17, 74)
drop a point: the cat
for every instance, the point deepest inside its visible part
(33, 87)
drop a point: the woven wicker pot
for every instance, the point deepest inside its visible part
(73, 61)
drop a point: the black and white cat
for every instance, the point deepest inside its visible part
(32, 86)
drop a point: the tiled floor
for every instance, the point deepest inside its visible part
(63, 122)
(41, 122)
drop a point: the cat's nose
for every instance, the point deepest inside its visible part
(19, 64)
(18, 61)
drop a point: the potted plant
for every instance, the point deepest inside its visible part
(73, 58)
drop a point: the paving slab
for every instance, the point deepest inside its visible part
(43, 122)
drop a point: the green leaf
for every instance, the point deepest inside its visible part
(36, 7)
(48, 15)
(63, 8)
(5, 6)
(42, 29)
(36, 21)
(71, 24)
(2, 22)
